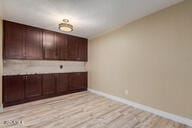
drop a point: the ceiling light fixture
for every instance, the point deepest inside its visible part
(66, 26)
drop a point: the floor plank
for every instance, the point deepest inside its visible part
(81, 110)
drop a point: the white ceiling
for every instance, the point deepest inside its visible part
(89, 17)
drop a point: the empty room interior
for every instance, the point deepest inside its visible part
(96, 63)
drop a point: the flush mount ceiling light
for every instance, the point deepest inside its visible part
(65, 26)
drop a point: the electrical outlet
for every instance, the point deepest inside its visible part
(126, 92)
(61, 66)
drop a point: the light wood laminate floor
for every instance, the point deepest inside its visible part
(81, 110)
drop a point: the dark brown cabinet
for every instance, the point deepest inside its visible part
(61, 41)
(22, 42)
(77, 81)
(25, 88)
(26, 42)
(14, 45)
(77, 48)
(61, 83)
(48, 84)
(83, 44)
(33, 88)
(49, 45)
(33, 43)
(13, 89)
(73, 50)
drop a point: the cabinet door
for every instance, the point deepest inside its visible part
(77, 48)
(14, 45)
(77, 81)
(49, 45)
(83, 44)
(13, 89)
(48, 84)
(61, 41)
(34, 43)
(33, 86)
(73, 48)
(61, 83)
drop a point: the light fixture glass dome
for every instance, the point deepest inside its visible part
(65, 26)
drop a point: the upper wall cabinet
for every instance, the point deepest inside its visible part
(49, 45)
(22, 42)
(77, 48)
(83, 44)
(26, 42)
(33, 43)
(14, 45)
(73, 48)
(61, 41)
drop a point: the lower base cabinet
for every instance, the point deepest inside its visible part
(13, 89)
(62, 83)
(48, 84)
(77, 81)
(24, 88)
(33, 87)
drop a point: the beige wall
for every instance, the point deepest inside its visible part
(1, 61)
(151, 58)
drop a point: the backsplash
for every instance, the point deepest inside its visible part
(20, 67)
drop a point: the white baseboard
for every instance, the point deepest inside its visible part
(167, 115)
